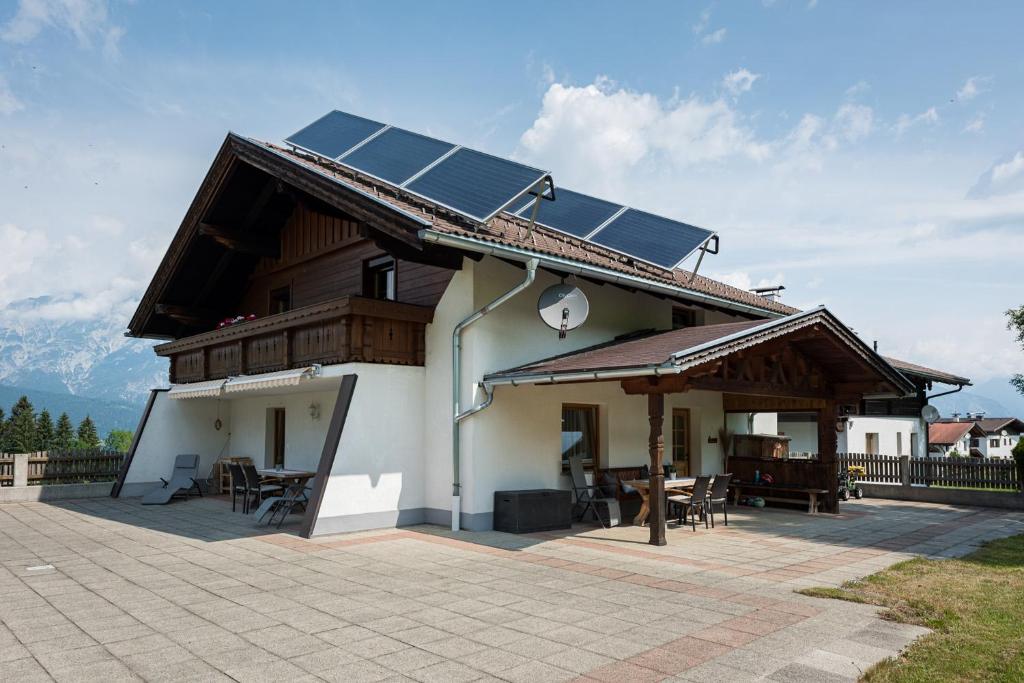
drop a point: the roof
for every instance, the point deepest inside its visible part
(947, 433)
(991, 425)
(508, 230)
(678, 350)
(908, 368)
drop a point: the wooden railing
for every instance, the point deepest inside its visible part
(974, 473)
(66, 467)
(348, 329)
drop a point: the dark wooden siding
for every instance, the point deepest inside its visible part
(322, 259)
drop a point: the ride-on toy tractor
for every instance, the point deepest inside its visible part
(848, 482)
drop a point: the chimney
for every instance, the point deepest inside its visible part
(770, 293)
(875, 344)
(956, 417)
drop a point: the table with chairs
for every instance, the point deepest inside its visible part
(276, 490)
(693, 497)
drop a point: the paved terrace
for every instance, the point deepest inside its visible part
(192, 591)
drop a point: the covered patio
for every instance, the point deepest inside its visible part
(808, 362)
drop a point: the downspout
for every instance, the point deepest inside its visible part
(927, 399)
(457, 416)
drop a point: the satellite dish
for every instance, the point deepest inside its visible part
(563, 307)
(930, 413)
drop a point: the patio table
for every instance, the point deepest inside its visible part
(296, 476)
(643, 488)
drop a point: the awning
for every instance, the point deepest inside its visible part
(210, 389)
(270, 380)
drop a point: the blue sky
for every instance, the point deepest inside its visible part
(868, 156)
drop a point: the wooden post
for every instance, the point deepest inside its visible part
(828, 444)
(656, 446)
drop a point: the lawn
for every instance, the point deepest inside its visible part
(974, 605)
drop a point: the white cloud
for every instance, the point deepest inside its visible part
(87, 20)
(714, 37)
(743, 279)
(975, 125)
(22, 250)
(857, 89)
(9, 103)
(971, 88)
(702, 22)
(739, 81)
(854, 121)
(1008, 170)
(930, 117)
(602, 132)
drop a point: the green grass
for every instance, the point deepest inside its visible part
(974, 605)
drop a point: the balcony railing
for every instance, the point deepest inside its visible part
(348, 329)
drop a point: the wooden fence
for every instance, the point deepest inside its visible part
(974, 473)
(66, 467)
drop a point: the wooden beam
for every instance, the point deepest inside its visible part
(330, 450)
(241, 242)
(755, 388)
(666, 384)
(656, 448)
(188, 315)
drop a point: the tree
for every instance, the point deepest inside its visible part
(21, 429)
(119, 440)
(1018, 457)
(44, 431)
(88, 439)
(64, 437)
(3, 432)
(1015, 324)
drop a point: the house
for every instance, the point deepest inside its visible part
(1000, 436)
(375, 320)
(962, 438)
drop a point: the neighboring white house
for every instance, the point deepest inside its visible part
(435, 314)
(963, 438)
(998, 435)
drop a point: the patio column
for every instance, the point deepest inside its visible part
(828, 445)
(656, 446)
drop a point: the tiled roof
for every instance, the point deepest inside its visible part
(654, 349)
(945, 433)
(928, 373)
(508, 230)
(991, 425)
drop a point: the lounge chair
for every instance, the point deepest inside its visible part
(719, 496)
(295, 496)
(183, 480)
(693, 503)
(589, 496)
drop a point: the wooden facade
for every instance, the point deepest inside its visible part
(346, 329)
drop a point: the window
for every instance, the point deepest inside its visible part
(280, 300)
(379, 278)
(899, 443)
(579, 435)
(681, 441)
(871, 443)
(993, 443)
(684, 317)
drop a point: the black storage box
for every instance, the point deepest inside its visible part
(522, 512)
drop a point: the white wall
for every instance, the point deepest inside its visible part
(378, 474)
(1006, 444)
(853, 438)
(304, 436)
(176, 426)
(803, 435)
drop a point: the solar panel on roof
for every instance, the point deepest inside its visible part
(396, 155)
(655, 239)
(476, 184)
(334, 134)
(571, 212)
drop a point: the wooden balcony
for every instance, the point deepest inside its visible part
(348, 329)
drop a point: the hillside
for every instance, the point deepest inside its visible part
(106, 414)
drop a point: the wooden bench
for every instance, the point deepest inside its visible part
(813, 495)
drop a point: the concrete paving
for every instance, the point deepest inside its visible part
(110, 590)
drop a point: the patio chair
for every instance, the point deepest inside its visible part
(255, 487)
(183, 479)
(589, 496)
(295, 496)
(693, 503)
(238, 486)
(719, 495)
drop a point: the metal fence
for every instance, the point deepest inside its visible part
(64, 467)
(972, 473)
